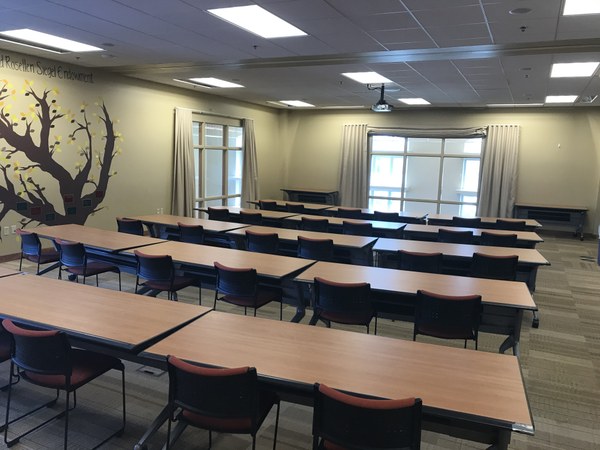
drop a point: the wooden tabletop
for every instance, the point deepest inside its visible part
(526, 255)
(495, 292)
(286, 234)
(274, 266)
(488, 220)
(377, 224)
(126, 320)
(433, 229)
(282, 203)
(486, 385)
(167, 219)
(565, 207)
(95, 237)
(268, 214)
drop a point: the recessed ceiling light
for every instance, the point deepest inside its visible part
(367, 77)
(561, 98)
(297, 103)
(414, 101)
(257, 20)
(44, 41)
(215, 82)
(513, 105)
(575, 7)
(562, 70)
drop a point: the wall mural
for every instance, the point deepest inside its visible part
(45, 177)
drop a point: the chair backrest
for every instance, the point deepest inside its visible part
(192, 234)
(386, 216)
(239, 282)
(349, 421)
(344, 299)
(213, 392)
(30, 243)
(494, 267)
(420, 262)
(268, 205)
(72, 254)
(319, 249)
(251, 218)
(218, 214)
(408, 219)
(516, 225)
(455, 237)
(154, 267)
(467, 222)
(497, 239)
(447, 317)
(40, 351)
(308, 224)
(357, 229)
(349, 213)
(130, 226)
(262, 242)
(295, 208)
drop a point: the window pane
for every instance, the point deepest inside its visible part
(235, 137)
(213, 170)
(386, 176)
(385, 205)
(468, 210)
(218, 202)
(420, 207)
(197, 173)
(213, 135)
(387, 144)
(234, 172)
(452, 210)
(234, 201)
(460, 177)
(422, 177)
(470, 146)
(424, 145)
(196, 134)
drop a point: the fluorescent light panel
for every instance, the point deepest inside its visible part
(564, 70)
(513, 105)
(257, 20)
(216, 82)
(414, 101)
(48, 42)
(561, 98)
(576, 7)
(367, 77)
(297, 103)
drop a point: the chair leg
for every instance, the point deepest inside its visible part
(67, 420)
(375, 324)
(21, 263)
(119, 272)
(276, 426)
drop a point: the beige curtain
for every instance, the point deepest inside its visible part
(182, 202)
(250, 190)
(354, 167)
(498, 183)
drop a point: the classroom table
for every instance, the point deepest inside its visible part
(555, 217)
(529, 259)
(395, 292)
(269, 217)
(476, 395)
(369, 214)
(118, 320)
(380, 227)
(486, 222)
(282, 204)
(527, 239)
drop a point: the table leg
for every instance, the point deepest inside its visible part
(301, 307)
(502, 442)
(514, 339)
(156, 424)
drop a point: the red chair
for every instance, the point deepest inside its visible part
(31, 250)
(75, 260)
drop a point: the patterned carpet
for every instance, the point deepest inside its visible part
(560, 362)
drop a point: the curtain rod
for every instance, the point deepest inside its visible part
(209, 113)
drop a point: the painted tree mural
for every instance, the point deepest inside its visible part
(33, 181)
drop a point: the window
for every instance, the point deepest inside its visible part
(424, 175)
(218, 158)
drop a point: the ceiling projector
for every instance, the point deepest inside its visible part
(381, 105)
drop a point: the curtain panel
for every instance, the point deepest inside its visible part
(250, 189)
(354, 167)
(182, 201)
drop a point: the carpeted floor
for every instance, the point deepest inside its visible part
(560, 362)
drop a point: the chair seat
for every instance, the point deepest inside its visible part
(92, 268)
(239, 425)
(263, 297)
(179, 282)
(86, 366)
(48, 255)
(346, 318)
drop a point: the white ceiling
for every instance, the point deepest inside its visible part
(454, 53)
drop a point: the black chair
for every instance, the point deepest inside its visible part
(319, 249)
(420, 262)
(46, 359)
(346, 422)
(296, 208)
(218, 214)
(346, 303)
(31, 250)
(455, 237)
(5, 352)
(357, 228)
(249, 218)
(262, 242)
(349, 213)
(514, 225)
(240, 287)
(156, 273)
(192, 234)
(386, 216)
(497, 239)
(214, 399)
(268, 205)
(494, 267)
(447, 317)
(130, 226)
(466, 222)
(75, 260)
(307, 224)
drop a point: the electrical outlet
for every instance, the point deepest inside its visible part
(13, 229)
(6, 230)
(157, 210)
